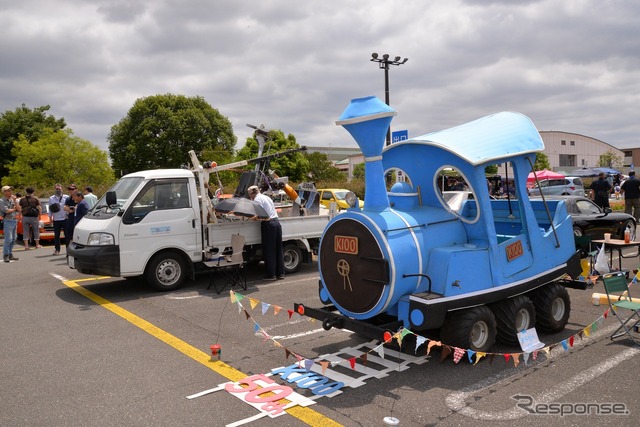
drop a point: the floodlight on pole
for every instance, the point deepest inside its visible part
(384, 63)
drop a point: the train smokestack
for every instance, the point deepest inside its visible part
(367, 120)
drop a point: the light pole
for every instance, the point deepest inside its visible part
(384, 63)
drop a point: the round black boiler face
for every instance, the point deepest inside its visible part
(352, 265)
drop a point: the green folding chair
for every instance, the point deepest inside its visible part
(619, 297)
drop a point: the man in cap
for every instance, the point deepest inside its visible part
(271, 236)
(9, 210)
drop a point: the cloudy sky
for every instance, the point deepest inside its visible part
(294, 65)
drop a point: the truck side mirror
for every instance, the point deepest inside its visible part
(111, 198)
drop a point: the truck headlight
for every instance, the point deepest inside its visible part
(100, 239)
(351, 199)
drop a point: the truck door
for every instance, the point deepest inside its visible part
(161, 216)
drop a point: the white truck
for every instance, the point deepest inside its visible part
(160, 224)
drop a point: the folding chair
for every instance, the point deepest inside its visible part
(229, 266)
(618, 283)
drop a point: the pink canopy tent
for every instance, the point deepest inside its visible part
(543, 174)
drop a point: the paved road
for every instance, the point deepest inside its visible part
(82, 350)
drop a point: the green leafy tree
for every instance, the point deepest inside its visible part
(58, 157)
(321, 169)
(610, 159)
(160, 130)
(295, 165)
(491, 170)
(30, 123)
(542, 162)
(358, 171)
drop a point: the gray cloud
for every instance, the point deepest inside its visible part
(570, 66)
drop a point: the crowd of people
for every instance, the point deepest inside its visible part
(65, 211)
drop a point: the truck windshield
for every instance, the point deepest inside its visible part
(124, 188)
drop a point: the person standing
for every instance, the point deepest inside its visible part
(9, 210)
(70, 209)
(82, 207)
(89, 197)
(600, 190)
(271, 236)
(57, 215)
(31, 210)
(630, 189)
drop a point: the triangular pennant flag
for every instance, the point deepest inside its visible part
(606, 313)
(256, 327)
(564, 345)
(405, 332)
(516, 359)
(419, 341)
(535, 354)
(507, 356)
(277, 344)
(470, 354)
(431, 344)
(491, 357)
(265, 335)
(457, 354)
(335, 363)
(240, 307)
(525, 357)
(276, 309)
(239, 297)
(380, 350)
(232, 296)
(594, 327)
(398, 336)
(479, 355)
(364, 359)
(246, 314)
(600, 322)
(446, 350)
(547, 351)
(571, 340)
(325, 365)
(587, 331)
(581, 335)
(352, 362)
(290, 313)
(253, 303)
(287, 353)
(265, 308)
(308, 363)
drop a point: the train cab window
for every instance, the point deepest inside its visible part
(456, 194)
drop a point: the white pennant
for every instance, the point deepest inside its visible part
(419, 341)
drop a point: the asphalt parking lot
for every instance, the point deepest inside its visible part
(86, 350)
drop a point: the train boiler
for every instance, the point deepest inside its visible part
(435, 251)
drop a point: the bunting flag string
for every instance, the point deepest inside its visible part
(446, 350)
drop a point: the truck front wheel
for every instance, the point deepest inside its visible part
(553, 307)
(166, 271)
(292, 258)
(473, 328)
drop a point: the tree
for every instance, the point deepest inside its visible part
(542, 162)
(491, 170)
(159, 131)
(31, 124)
(58, 157)
(358, 171)
(294, 165)
(321, 169)
(610, 159)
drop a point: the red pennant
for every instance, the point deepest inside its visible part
(364, 359)
(606, 314)
(571, 339)
(507, 357)
(352, 362)
(290, 313)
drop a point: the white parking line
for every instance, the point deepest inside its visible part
(456, 401)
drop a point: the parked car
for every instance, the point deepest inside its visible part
(328, 195)
(568, 186)
(590, 220)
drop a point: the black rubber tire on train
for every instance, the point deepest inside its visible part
(553, 307)
(473, 328)
(512, 316)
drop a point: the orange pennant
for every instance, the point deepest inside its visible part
(276, 309)
(516, 359)
(324, 365)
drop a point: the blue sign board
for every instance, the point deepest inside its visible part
(399, 135)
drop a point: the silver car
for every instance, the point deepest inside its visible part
(568, 186)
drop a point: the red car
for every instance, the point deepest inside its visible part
(46, 224)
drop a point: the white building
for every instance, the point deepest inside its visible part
(568, 151)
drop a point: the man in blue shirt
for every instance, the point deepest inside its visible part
(9, 210)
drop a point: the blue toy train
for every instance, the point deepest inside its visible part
(428, 255)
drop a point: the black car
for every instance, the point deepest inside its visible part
(590, 220)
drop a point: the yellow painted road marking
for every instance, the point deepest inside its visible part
(306, 415)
